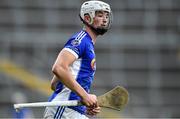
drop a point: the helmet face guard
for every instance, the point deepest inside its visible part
(90, 8)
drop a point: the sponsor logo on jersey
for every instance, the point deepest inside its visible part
(93, 64)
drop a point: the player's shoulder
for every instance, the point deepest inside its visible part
(80, 37)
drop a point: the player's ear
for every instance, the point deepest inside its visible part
(87, 18)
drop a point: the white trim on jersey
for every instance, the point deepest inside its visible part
(75, 67)
(80, 35)
(63, 95)
(71, 51)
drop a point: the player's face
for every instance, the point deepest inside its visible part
(101, 19)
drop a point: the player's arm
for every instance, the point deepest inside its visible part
(63, 73)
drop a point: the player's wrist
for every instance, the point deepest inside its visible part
(84, 95)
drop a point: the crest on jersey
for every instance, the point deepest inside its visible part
(75, 42)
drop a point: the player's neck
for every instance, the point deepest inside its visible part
(92, 34)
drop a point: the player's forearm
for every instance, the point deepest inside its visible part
(65, 76)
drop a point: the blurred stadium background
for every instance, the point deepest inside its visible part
(141, 52)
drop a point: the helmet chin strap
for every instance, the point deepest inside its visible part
(97, 31)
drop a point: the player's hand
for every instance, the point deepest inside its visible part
(90, 101)
(93, 111)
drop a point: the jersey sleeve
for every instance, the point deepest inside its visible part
(76, 47)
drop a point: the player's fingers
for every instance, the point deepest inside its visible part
(95, 103)
(88, 111)
(96, 110)
(92, 101)
(91, 112)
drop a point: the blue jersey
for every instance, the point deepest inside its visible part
(83, 68)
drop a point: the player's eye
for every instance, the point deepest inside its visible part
(100, 15)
